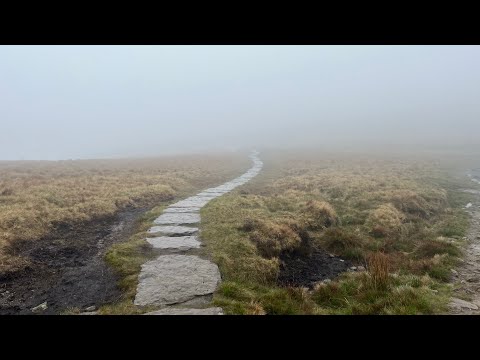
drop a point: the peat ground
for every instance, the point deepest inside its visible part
(306, 270)
(67, 268)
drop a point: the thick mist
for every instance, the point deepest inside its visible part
(61, 102)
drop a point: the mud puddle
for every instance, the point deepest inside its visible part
(308, 269)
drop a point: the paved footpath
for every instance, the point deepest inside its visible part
(177, 281)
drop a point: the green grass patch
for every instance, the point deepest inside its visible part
(455, 224)
(404, 295)
(127, 259)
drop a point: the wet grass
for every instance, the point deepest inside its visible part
(400, 218)
(359, 294)
(126, 259)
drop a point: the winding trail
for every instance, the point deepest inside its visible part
(178, 281)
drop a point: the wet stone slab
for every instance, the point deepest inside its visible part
(215, 190)
(191, 209)
(210, 195)
(192, 202)
(173, 230)
(180, 311)
(177, 218)
(174, 242)
(173, 279)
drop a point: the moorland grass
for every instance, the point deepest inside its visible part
(399, 218)
(38, 196)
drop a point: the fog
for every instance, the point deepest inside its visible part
(62, 102)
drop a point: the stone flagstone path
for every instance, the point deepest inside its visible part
(176, 281)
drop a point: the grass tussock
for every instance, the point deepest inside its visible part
(272, 238)
(340, 241)
(384, 220)
(319, 215)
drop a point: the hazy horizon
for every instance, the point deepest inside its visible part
(76, 102)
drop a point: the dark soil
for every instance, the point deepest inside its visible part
(67, 269)
(307, 269)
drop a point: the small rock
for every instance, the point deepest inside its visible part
(361, 268)
(468, 205)
(341, 260)
(354, 268)
(91, 308)
(326, 281)
(41, 307)
(331, 255)
(434, 291)
(454, 272)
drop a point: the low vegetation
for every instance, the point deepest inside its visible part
(127, 259)
(399, 219)
(36, 197)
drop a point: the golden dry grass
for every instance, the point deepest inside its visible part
(378, 266)
(271, 238)
(384, 220)
(37, 196)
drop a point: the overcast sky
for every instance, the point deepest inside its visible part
(61, 102)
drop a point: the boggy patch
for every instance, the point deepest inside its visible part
(66, 269)
(306, 269)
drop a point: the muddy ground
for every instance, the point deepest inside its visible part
(307, 269)
(66, 268)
